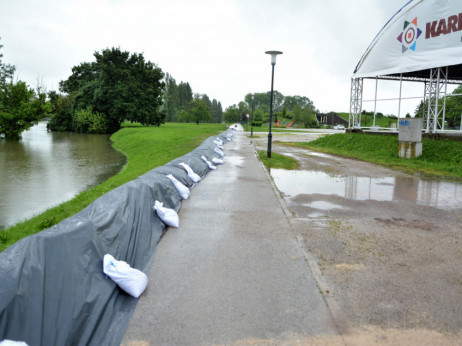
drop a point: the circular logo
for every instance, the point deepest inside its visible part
(409, 35)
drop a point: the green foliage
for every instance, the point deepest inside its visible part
(20, 109)
(216, 112)
(199, 111)
(120, 85)
(87, 121)
(232, 114)
(63, 111)
(145, 148)
(309, 118)
(440, 157)
(258, 115)
(6, 71)
(262, 101)
(277, 161)
(257, 123)
(176, 99)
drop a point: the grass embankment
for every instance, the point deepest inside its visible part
(277, 161)
(145, 148)
(439, 157)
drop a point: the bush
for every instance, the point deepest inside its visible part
(86, 121)
(257, 123)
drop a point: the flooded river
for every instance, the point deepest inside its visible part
(48, 168)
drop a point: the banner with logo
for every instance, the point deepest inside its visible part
(423, 34)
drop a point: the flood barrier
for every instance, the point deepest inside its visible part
(52, 287)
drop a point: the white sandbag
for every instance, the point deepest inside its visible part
(203, 158)
(217, 161)
(219, 152)
(131, 280)
(193, 176)
(182, 190)
(219, 145)
(167, 215)
(7, 342)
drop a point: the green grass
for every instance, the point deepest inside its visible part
(277, 161)
(439, 157)
(369, 120)
(145, 148)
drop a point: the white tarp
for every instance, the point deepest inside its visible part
(423, 34)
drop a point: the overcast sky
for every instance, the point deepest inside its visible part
(218, 46)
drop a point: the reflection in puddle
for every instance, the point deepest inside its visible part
(323, 205)
(440, 194)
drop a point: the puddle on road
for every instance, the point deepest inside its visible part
(434, 193)
(323, 205)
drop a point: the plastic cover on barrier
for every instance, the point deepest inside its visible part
(52, 287)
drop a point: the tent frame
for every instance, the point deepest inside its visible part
(435, 88)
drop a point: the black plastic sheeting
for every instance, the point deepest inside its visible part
(52, 287)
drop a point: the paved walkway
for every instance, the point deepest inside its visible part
(233, 272)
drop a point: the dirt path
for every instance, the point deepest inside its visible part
(388, 244)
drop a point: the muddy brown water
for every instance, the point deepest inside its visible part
(48, 168)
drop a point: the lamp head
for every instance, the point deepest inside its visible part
(273, 54)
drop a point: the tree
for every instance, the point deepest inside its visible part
(62, 113)
(185, 95)
(217, 112)
(309, 118)
(297, 114)
(231, 114)
(208, 103)
(220, 112)
(171, 97)
(20, 109)
(119, 85)
(199, 111)
(6, 70)
(258, 115)
(453, 108)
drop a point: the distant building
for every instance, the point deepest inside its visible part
(331, 119)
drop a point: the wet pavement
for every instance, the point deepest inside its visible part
(388, 243)
(234, 272)
(345, 253)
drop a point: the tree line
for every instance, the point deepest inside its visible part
(182, 105)
(297, 109)
(100, 95)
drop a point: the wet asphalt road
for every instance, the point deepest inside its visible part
(233, 273)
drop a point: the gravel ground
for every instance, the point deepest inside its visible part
(388, 245)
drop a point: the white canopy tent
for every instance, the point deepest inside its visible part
(421, 42)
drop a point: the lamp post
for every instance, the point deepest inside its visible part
(273, 54)
(251, 116)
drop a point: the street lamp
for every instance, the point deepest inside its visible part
(273, 54)
(251, 117)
